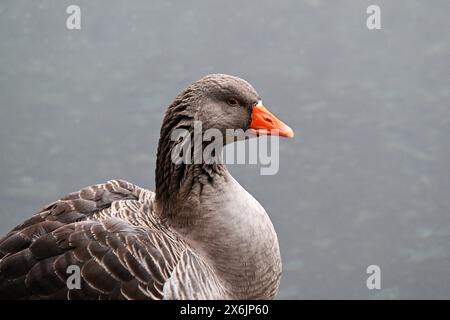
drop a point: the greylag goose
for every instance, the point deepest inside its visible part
(200, 235)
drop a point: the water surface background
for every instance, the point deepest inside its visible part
(366, 179)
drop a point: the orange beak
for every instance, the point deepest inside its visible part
(265, 123)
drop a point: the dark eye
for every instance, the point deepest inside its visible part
(232, 102)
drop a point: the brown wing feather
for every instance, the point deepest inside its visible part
(108, 230)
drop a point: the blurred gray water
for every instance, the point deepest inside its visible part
(366, 179)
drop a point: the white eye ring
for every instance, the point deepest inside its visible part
(259, 104)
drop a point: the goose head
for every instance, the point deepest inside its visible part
(225, 102)
(217, 101)
(228, 102)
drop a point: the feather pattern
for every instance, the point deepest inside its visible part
(110, 231)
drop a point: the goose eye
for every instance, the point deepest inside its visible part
(233, 102)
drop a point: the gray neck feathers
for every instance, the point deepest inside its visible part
(180, 185)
